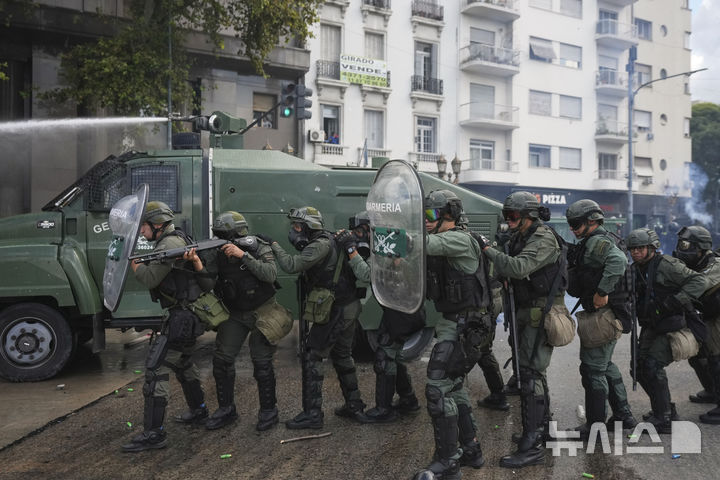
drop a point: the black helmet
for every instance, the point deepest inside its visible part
(696, 235)
(360, 218)
(524, 202)
(230, 224)
(642, 237)
(442, 202)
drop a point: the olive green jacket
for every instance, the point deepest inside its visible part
(601, 253)
(360, 268)
(541, 249)
(674, 274)
(462, 251)
(263, 267)
(314, 253)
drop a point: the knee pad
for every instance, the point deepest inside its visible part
(445, 361)
(381, 361)
(435, 401)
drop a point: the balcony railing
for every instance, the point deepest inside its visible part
(378, 3)
(425, 84)
(328, 69)
(372, 153)
(604, 174)
(427, 10)
(610, 78)
(611, 27)
(499, 3)
(489, 164)
(488, 112)
(489, 53)
(331, 149)
(611, 127)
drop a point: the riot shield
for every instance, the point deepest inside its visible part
(397, 260)
(125, 219)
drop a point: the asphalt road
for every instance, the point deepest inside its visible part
(77, 430)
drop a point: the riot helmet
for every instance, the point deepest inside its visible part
(439, 203)
(229, 225)
(308, 219)
(157, 213)
(359, 224)
(583, 210)
(692, 243)
(519, 205)
(643, 237)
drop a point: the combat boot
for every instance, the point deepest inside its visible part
(495, 401)
(661, 406)
(443, 466)
(534, 411)
(349, 386)
(195, 399)
(673, 413)
(471, 452)
(407, 402)
(619, 406)
(702, 368)
(383, 411)
(713, 416)
(153, 435)
(312, 415)
(511, 387)
(407, 405)
(225, 387)
(265, 378)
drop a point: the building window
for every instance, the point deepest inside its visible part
(375, 45)
(482, 155)
(644, 73)
(643, 167)
(686, 127)
(426, 60)
(607, 166)
(482, 101)
(570, 107)
(686, 40)
(570, 55)
(571, 7)
(643, 120)
(261, 104)
(425, 135)
(607, 24)
(330, 42)
(375, 129)
(541, 49)
(331, 122)
(539, 156)
(570, 158)
(644, 29)
(540, 103)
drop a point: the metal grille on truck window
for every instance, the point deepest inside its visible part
(162, 180)
(106, 183)
(479, 226)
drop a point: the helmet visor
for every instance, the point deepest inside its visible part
(575, 223)
(511, 215)
(432, 214)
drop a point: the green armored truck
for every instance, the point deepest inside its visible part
(51, 296)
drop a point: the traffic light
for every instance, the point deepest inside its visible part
(287, 100)
(302, 103)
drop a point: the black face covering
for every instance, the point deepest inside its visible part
(300, 239)
(224, 235)
(362, 242)
(689, 255)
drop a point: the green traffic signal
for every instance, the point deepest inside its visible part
(286, 112)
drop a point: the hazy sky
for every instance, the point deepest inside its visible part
(705, 44)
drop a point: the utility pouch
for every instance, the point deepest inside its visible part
(536, 315)
(210, 310)
(453, 292)
(683, 344)
(318, 304)
(183, 327)
(559, 326)
(598, 327)
(433, 286)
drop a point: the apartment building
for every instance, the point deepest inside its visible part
(520, 94)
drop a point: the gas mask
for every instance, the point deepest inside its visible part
(300, 239)
(362, 242)
(687, 252)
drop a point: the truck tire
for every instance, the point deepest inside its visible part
(414, 346)
(35, 342)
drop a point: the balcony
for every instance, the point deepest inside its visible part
(489, 60)
(611, 83)
(327, 74)
(330, 154)
(428, 10)
(612, 180)
(379, 7)
(371, 153)
(489, 116)
(425, 88)
(490, 171)
(612, 34)
(425, 162)
(611, 132)
(621, 3)
(499, 10)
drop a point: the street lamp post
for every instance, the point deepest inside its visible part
(442, 166)
(456, 165)
(630, 68)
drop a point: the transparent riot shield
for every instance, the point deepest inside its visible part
(125, 217)
(395, 207)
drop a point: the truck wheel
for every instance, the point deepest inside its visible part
(414, 346)
(35, 342)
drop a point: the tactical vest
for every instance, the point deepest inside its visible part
(453, 290)
(321, 274)
(710, 299)
(649, 296)
(179, 287)
(239, 288)
(538, 285)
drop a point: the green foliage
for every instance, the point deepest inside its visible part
(705, 132)
(128, 72)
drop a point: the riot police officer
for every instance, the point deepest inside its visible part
(323, 268)
(458, 284)
(597, 278)
(391, 374)
(246, 284)
(694, 248)
(174, 285)
(665, 290)
(534, 265)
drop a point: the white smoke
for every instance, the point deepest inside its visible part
(695, 207)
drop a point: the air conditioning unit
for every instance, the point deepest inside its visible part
(647, 181)
(650, 136)
(316, 135)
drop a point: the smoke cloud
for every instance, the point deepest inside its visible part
(695, 207)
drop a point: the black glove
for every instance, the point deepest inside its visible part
(346, 240)
(265, 238)
(483, 241)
